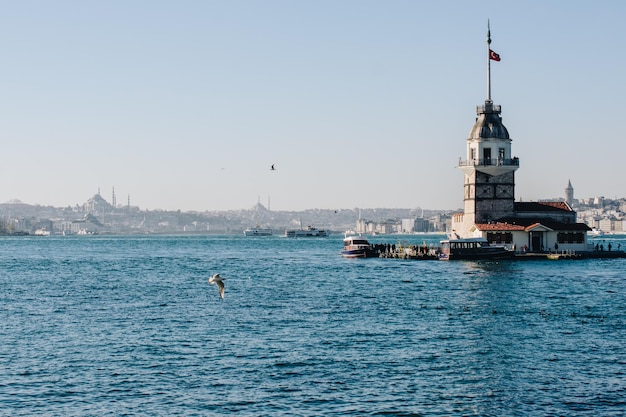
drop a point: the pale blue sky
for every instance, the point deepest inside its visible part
(186, 104)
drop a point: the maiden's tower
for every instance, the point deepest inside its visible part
(490, 209)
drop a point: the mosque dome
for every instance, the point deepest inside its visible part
(488, 123)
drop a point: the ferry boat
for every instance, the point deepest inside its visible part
(472, 249)
(257, 231)
(308, 232)
(357, 247)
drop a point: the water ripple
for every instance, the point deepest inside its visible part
(113, 326)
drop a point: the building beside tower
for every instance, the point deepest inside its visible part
(490, 209)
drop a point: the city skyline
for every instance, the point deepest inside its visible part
(113, 200)
(358, 104)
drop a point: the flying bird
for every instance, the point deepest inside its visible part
(272, 168)
(219, 281)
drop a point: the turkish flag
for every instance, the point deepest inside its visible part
(494, 56)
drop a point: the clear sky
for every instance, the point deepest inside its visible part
(186, 104)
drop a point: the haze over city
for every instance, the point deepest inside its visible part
(357, 103)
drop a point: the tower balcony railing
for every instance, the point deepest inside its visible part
(488, 108)
(489, 162)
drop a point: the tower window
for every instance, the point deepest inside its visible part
(487, 156)
(500, 237)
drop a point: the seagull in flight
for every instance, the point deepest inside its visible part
(272, 168)
(219, 281)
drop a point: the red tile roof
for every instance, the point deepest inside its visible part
(521, 224)
(501, 227)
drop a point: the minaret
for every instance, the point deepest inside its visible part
(569, 193)
(489, 168)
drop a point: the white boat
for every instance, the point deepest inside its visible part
(357, 247)
(472, 249)
(257, 231)
(595, 232)
(308, 232)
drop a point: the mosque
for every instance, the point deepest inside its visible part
(490, 209)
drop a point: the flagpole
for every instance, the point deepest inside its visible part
(488, 63)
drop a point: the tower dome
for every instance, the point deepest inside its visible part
(488, 123)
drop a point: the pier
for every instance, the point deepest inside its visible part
(431, 253)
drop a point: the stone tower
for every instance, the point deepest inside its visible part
(489, 170)
(569, 193)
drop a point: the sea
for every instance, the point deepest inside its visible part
(129, 326)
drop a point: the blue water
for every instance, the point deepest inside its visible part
(110, 326)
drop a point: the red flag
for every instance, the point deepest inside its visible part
(494, 56)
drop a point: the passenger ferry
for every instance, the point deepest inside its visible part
(308, 232)
(472, 249)
(257, 231)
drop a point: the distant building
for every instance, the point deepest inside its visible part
(598, 201)
(387, 227)
(97, 205)
(365, 226)
(407, 226)
(421, 225)
(569, 194)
